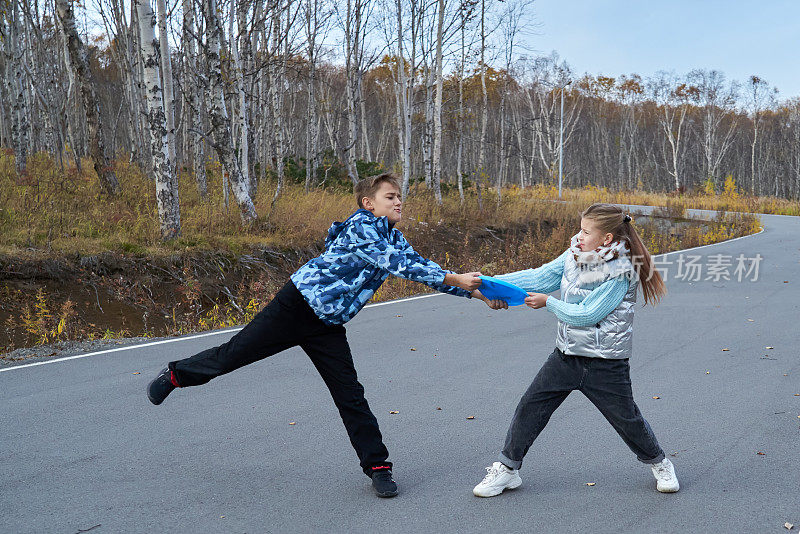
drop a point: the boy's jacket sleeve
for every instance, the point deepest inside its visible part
(400, 259)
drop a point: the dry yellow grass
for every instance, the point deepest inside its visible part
(65, 210)
(54, 212)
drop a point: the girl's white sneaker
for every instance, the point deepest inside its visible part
(498, 478)
(666, 480)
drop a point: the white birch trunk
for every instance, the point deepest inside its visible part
(312, 132)
(218, 114)
(79, 61)
(239, 68)
(162, 167)
(352, 35)
(437, 111)
(19, 110)
(191, 112)
(485, 109)
(166, 79)
(276, 93)
(404, 85)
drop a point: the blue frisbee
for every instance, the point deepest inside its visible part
(495, 289)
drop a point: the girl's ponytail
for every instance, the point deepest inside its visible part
(610, 219)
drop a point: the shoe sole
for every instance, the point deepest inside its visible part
(669, 490)
(514, 484)
(387, 495)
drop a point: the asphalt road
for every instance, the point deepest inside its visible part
(82, 448)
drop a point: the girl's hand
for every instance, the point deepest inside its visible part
(536, 300)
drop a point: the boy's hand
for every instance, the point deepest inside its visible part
(536, 300)
(493, 304)
(468, 281)
(497, 304)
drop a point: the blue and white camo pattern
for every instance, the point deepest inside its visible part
(360, 253)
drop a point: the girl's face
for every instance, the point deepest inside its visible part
(591, 237)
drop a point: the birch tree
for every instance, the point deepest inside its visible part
(315, 21)
(80, 63)
(759, 97)
(437, 112)
(354, 25)
(674, 97)
(192, 112)
(218, 114)
(162, 168)
(403, 73)
(167, 82)
(20, 124)
(716, 100)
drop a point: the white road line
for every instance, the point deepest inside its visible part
(77, 356)
(173, 340)
(712, 244)
(217, 332)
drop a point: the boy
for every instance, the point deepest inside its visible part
(313, 306)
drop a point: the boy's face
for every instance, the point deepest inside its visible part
(387, 203)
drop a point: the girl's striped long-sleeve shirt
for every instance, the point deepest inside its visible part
(547, 278)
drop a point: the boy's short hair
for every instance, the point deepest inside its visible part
(367, 187)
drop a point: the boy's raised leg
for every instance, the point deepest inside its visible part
(276, 328)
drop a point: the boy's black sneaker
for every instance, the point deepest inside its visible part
(160, 387)
(383, 483)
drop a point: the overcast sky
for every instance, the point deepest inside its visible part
(613, 37)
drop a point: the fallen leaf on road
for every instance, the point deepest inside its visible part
(708, 372)
(656, 397)
(222, 517)
(769, 348)
(137, 373)
(293, 423)
(797, 394)
(761, 453)
(751, 320)
(470, 417)
(398, 315)
(590, 483)
(785, 281)
(393, 412)
(788, 526)
(438, 407)
(725, 350)
(413, 349)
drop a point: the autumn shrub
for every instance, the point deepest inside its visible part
(65, 209)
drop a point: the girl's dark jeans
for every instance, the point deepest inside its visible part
(289, 321)
(606, 383)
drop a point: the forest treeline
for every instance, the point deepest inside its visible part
(322, 91)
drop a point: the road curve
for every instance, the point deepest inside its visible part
(82, 446)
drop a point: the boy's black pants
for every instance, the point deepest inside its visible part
(286, 322)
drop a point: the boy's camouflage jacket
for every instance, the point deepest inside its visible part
(360, 253)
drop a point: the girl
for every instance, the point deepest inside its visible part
(598, 276)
